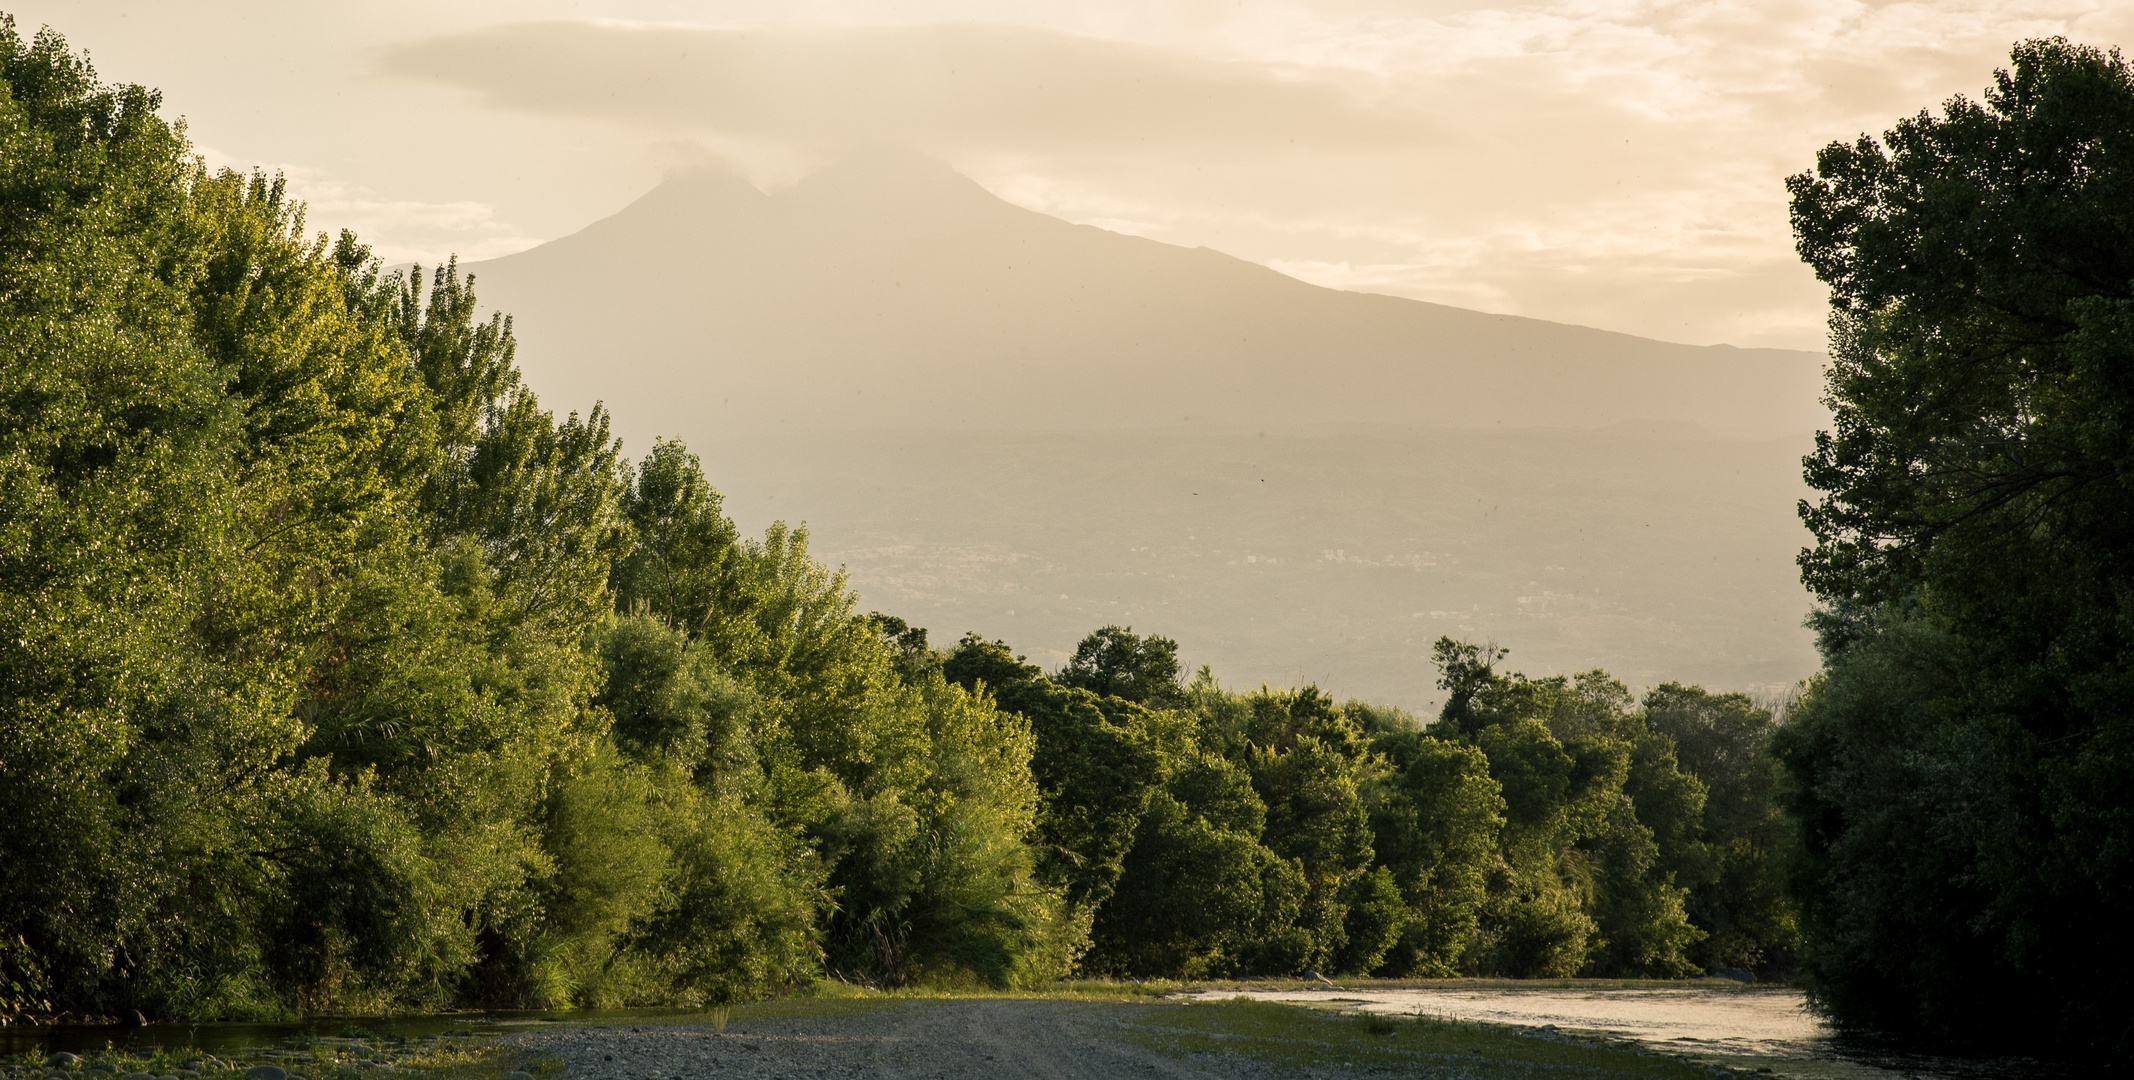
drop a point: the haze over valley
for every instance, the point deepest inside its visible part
(1002, 422)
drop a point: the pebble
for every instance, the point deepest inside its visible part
(266, 1072)
(62, 1060)
(137, 1076)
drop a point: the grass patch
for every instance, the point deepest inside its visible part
(1295, 1039)
(355, 1054)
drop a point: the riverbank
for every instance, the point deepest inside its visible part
(1073, 1038)
(1471, 1029)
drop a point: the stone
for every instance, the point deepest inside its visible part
(266, 1072)
(137, 1076)
(62, 1060)
(101, 1067)
(518, 1076)
(359, 1049)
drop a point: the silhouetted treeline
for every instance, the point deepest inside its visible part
(1539, 827)
(1963, 770)
(338, 674)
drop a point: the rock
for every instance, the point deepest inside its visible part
(518, 1076)
(266, 1072)
(359, 1049)
(62, 1060)
(101, 1067)
(137, 1076)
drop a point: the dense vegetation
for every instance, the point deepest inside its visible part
(337, 673)
(1962, 769)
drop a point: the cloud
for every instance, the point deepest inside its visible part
(399, 230)
(1617, 163)
(951, 86)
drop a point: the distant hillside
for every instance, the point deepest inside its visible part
(1332, 553)
(893, 292)
(1030, 428)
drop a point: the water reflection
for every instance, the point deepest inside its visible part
(1764, 1029)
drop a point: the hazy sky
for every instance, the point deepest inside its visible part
(1607, 162)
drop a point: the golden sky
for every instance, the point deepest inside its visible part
(1607, 162)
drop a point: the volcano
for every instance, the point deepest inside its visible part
(999, 421)
(892, 292)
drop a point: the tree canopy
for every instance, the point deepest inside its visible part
(1961, 770)
(338, 673)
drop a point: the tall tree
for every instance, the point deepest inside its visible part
(1963, 770)
(1600, 823)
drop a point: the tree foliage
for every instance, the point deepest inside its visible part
(1961, 770)
(340, 673)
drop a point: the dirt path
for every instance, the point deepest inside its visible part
(917, 1040)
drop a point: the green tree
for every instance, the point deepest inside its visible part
(1436, 822)
(1972, 544)
(1599, 822)
(1309, 764)
(1198, 890)
(915, 796)
(1116, 662)
(1739, 902)
(1094, 764)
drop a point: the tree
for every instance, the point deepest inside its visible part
(1436, 823)
(1093, 762)
(1198, 890)
(1116, 662)
(1724, 741)
(1599, 822)
(1975, 544)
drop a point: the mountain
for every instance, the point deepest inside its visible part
(892, 292)
(1002, 422)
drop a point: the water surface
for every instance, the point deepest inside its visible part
(1767, 1029)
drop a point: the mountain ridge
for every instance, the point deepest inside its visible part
(890, 291)
(982, 413)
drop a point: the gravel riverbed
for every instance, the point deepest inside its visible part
(916, 1040)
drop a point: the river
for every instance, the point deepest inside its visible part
(1765, 1029)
